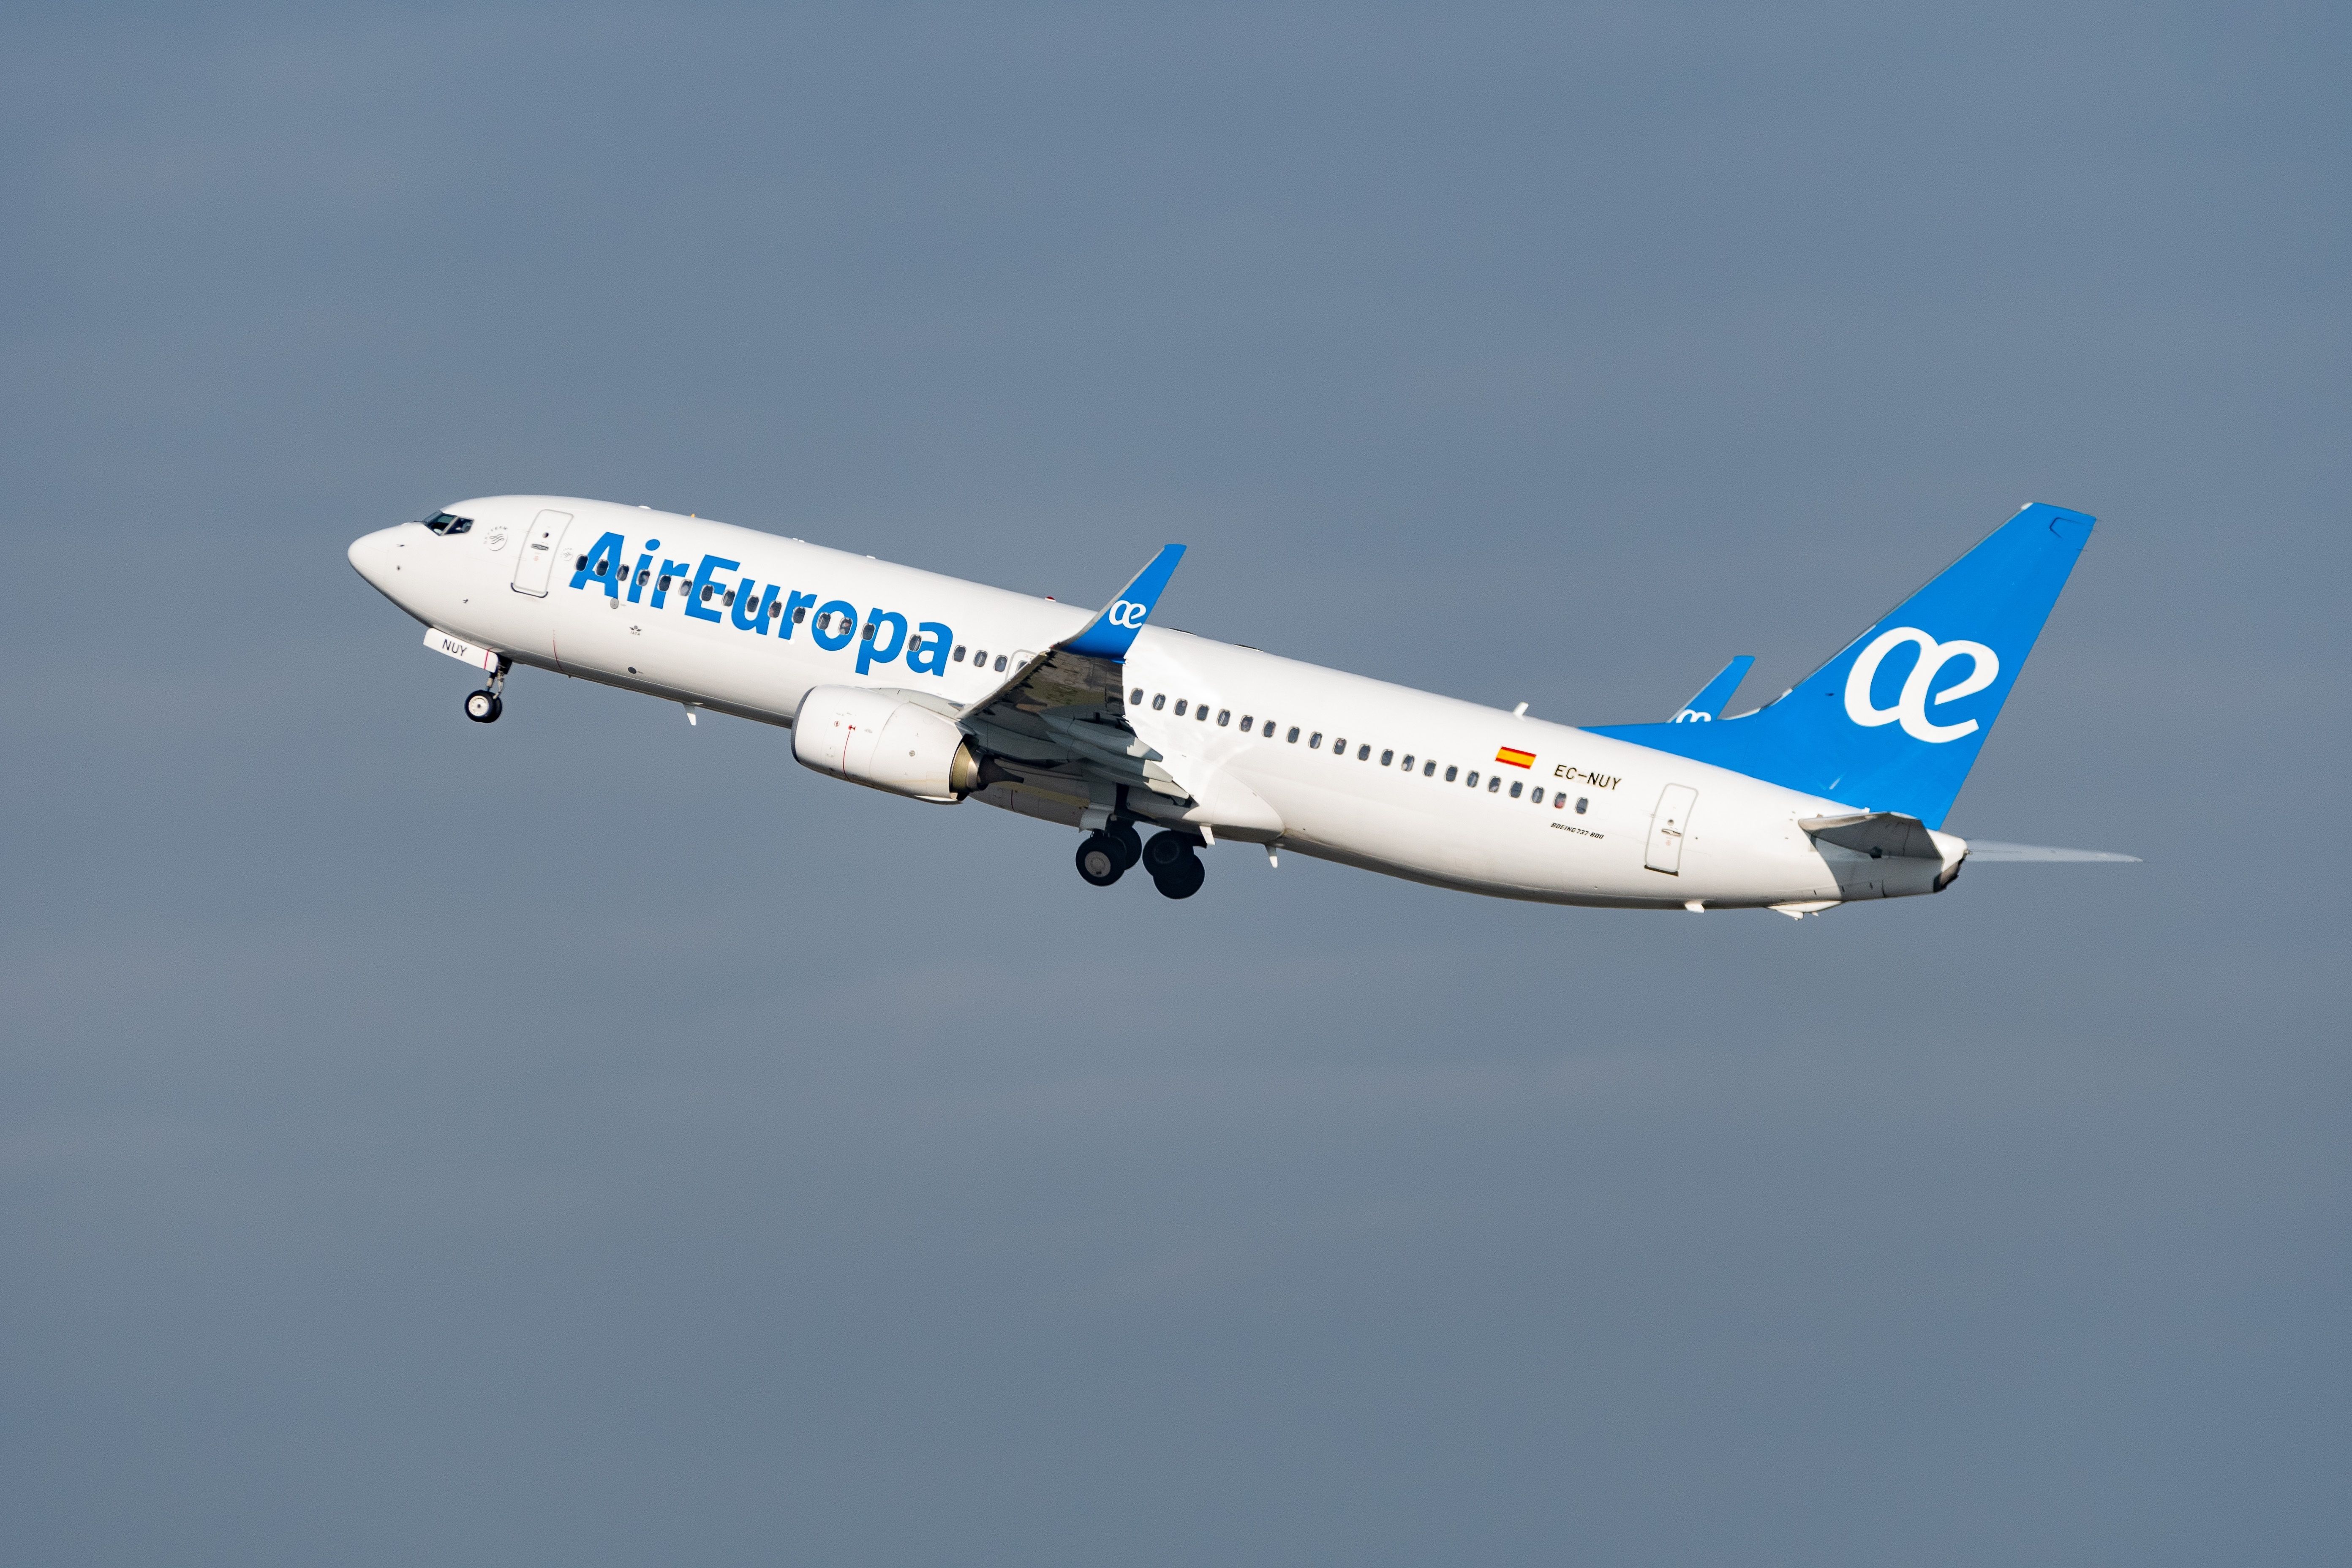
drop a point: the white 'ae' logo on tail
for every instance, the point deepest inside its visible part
(1911, 709)
(1126, 615)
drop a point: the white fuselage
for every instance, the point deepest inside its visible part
(1588, 819)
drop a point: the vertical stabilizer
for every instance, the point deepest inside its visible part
(1894, 720)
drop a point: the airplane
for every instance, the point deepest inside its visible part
(945, 691)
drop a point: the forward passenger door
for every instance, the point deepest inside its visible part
(542, 544)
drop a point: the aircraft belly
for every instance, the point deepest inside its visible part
(634, 645)
(1440, 846)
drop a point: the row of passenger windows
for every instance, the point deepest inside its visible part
(1271, 728)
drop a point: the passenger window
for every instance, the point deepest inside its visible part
(1224, 717)
(1449, 773)
(958, 656)
(1494, 784)
(729, 602)
(707, 591)
(1406, 764)
(645, 574)
(1000, 661)
(1516, 786)
(1135, 695)
(1364, 754)
(1312, 741)
(868, 636)
(1472, 780)
(1201, 712)
(1339, 746)
(802, 614)
(581, 565)
(1180, 707)
(1385, 757)
(1159, 701)
(1581, 802)
(1245, 723)
(1293, 735)
(1427, 769)
(664, 586)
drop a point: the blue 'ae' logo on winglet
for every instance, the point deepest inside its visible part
(1111, 633)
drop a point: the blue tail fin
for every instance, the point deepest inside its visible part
(1894, 722)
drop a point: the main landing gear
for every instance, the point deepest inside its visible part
(1169, 857)
(483, 707)
(1176, 869)
(1104, 858)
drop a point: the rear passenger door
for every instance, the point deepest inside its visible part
(1669, 825)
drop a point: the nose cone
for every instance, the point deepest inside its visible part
(370, 555)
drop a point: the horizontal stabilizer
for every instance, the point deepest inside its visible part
(1876, 833)
(1707, 706)
(1987, 850)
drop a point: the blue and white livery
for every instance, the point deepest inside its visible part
(945, 691)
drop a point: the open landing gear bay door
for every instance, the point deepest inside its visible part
(1058, 726)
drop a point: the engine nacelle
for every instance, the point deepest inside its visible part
(884, 742)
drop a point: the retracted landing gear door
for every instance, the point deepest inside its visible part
(541, 546)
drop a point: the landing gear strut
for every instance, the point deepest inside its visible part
(1176, 870)
(483, 707)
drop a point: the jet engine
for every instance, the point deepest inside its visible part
(884, 742)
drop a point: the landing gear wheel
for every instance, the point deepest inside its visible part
(1165, 851)
(1184, 879)
(1129, 843)
(1100, 860)
(483, 707)
(1175, 869)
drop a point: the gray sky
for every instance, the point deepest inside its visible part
(592, 1141)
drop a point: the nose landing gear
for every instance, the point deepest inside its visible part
(483, 707)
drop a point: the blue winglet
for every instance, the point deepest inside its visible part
(1111, 633)
(1707, 706)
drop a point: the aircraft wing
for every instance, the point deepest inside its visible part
(1059, 722)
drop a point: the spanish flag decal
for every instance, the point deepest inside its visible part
(1516, 759)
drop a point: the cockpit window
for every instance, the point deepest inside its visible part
(448, 522)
